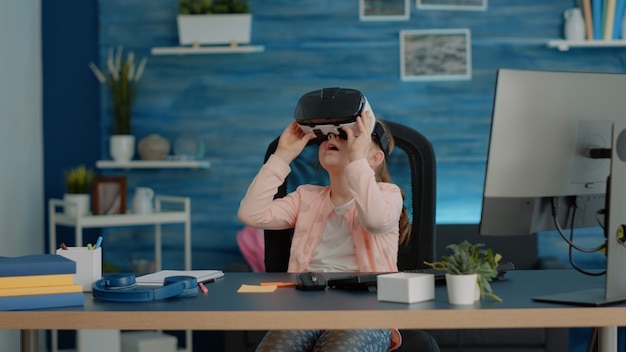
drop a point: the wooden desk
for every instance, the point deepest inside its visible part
(224, 309)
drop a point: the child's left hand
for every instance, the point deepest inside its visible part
(358, 144)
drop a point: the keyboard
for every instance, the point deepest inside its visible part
(368, 281)
(441, 274)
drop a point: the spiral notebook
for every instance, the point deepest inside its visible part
(156, 279)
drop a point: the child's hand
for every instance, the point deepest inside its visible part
(357, 145)
(291, 142)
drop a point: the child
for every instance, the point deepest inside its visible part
(353, 224)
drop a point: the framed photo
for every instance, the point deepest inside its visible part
(108, 195)
(476, 5)
(384, 10)
(435, 55)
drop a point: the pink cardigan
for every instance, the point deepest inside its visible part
(373, 217)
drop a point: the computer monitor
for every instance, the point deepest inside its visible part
(546, 126)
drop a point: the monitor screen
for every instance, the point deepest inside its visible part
(544, 124)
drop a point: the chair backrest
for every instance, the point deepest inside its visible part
(412, 167)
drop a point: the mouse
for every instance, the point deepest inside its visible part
(311, 281)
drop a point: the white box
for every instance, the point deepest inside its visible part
(406, 287)
(148, 341)
(88, 264)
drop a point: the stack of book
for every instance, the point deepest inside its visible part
(38, 281)
(603, 19)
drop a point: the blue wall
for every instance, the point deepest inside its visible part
(71, 103)
(237, 103)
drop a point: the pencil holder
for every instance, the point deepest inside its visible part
(88, 264)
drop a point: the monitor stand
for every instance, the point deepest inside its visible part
(615, 232)
(591, 297)
(615, 285)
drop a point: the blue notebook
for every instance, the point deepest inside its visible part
(36, 264)
(42, 301)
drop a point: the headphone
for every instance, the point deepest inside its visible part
(123, 288)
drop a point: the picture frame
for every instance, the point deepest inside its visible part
(435, 55)
(384, 10)
(108, 195)
(468, 5)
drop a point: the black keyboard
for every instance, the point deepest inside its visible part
(441, 274)
(368, 281)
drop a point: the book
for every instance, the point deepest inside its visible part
(31, 291)
(619, 17)
(588, 19)
(609, 19)
(597, 12)
(36, 280)
(36, 264)
(156, 279)
(42, 301)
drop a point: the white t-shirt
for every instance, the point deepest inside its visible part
(335, 252)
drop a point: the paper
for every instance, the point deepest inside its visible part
(156, 279)
(256, 289)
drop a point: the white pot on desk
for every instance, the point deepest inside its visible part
(462, 289)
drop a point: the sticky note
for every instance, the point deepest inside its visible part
(256, 289)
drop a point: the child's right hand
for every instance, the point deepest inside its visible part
(291, 142)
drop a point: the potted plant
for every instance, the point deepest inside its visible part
(77, 187)
(122, 76)
(213, 22)
(470, 260)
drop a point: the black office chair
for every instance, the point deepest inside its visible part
(412, 167)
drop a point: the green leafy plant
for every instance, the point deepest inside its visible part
(79, 179)
(470, 258)
(203, 7)
(123, 78)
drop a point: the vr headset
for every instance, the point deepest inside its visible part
(331, 110)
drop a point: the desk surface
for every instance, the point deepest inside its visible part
(225, 309)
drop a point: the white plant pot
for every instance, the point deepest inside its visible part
(214, 29)
(462, 289)
(77, 204)
(122, 147)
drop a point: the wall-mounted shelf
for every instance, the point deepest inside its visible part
(565, 45)
(154, 164)
(191, 50)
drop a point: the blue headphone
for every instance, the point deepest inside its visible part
(123, 288)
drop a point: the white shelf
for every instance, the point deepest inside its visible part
(159, 217)
(565, 45)
(128, 219)
(154, 164)
(189, 50)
